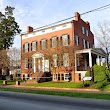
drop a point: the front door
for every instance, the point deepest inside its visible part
(39, 65)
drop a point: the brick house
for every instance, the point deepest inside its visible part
(64, 52)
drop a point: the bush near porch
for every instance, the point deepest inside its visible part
(101, 77)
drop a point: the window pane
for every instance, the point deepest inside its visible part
(76, 40)
(88, 45)
(54, 42)
(34, 46)
(86, 32)
(66, 60)
(83, 30)
(26, 62)
(43, 44)
(65, 40)
(55, 59)
(84, 43)
(26, 47)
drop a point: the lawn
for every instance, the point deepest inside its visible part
(69, 94)
(1, 81)
(58, 84)
(9, 82)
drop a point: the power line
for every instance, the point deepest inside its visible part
(52, 24)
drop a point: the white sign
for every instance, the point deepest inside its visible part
(87, 78)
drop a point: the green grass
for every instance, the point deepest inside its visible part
(58, 84)
(69, 94)
(9, 82)
(1, 82)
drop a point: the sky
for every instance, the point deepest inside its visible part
(38, 13)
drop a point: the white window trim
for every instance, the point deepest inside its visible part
(83, 30)
(77, 40)
(88, 44)
(43, 46)
(66, 59)
(84, 43)
(55, 77)
(26, 63)
(65, 37)
(34, 48)
(87, 34)
(55, 59)
(66, 78)
(26, 49)
(54, 45)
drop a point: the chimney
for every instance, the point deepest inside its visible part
(77, 16)
(29, 29)
(88, 24)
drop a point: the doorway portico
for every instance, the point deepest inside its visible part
(40, 64)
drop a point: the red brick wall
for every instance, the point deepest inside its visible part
(76, 29)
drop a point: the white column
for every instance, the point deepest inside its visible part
(34, 65)
(98, 60)
(90, 59)
(39, 65)
(43, 64)
(106, 61)
(101, 61)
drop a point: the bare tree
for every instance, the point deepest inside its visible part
(15, 58)
(4, 62)
(4, 59)
(103, 36)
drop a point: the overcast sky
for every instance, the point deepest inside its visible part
(37, 13)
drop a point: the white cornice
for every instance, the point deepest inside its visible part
(48, 30)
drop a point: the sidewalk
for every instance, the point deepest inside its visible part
(84, 90)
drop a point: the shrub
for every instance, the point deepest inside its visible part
(99, 73)
(100, 85)
(101, 76)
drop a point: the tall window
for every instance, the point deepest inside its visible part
(34, 46)
(54, 42)
(83, 30)
(84, 43)
(26, 47)
(55, 59)
(65, 40)
(76, 40)
(26, 63)
(43, 44)
(65, 59)
(87, 34)
(88, 44)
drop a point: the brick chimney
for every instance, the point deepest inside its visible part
(88, 24)
(77, 16)
(29, 29)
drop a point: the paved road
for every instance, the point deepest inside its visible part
(20, 101)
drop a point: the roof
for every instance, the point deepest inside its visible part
(98, 51)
